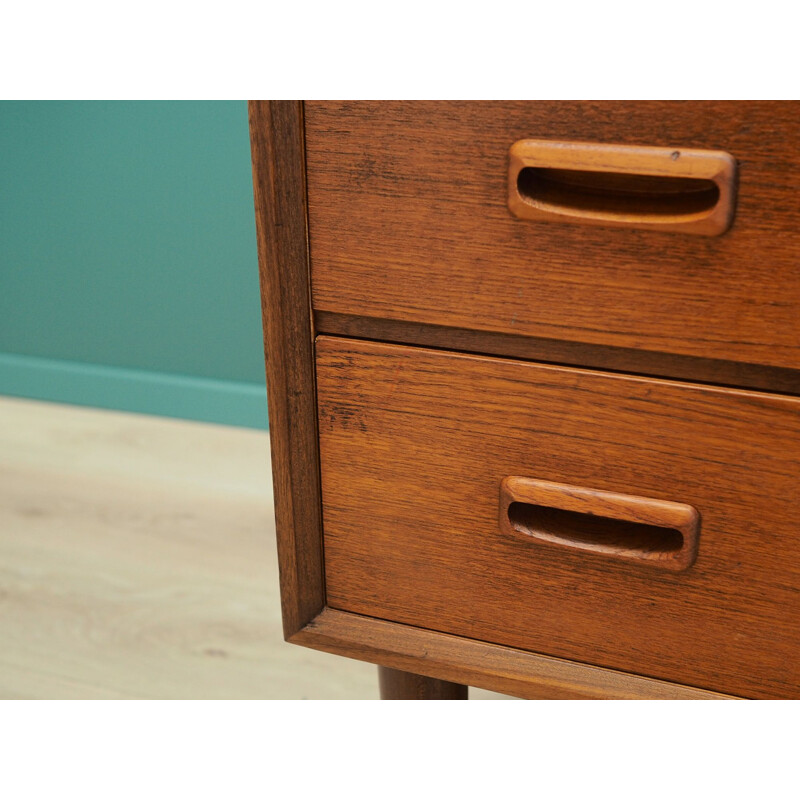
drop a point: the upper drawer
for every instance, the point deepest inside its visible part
(409, 221)
(694, 490)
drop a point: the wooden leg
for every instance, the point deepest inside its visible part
(398, 685)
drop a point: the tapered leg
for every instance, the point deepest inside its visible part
(398, 685)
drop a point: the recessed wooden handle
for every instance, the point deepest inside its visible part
(657, 533)
(659, 188)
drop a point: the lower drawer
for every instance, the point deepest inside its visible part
(642, 525)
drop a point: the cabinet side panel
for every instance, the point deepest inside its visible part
(276, 135)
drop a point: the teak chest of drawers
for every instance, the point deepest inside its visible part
(533, 373)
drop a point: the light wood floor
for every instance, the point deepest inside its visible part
(137, 560)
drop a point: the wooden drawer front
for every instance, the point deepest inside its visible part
(415, 443)
(408, 220)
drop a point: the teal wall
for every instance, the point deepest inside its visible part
(128, 271)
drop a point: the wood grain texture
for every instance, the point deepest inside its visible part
(414, 444)
(276, 133)
(395, 684)
(474, 663)
(408, 220)
(554, 351)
